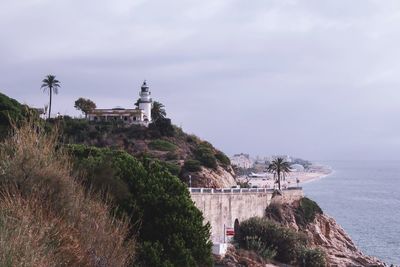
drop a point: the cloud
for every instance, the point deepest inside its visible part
(312, 78)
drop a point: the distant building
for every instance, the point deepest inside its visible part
(140, 115)
(242, 161)
(285, 157)
(297, 168)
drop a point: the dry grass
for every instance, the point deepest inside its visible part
(46, 219)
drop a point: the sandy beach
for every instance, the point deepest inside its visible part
(315, 172)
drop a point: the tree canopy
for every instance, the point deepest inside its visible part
(158, 111)
(11, 111)
(85, 105)
(50, 84)
(170, 227)
(279, 167)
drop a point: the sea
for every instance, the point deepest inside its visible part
(364, 198)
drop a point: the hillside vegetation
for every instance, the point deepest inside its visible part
(182, 153)
(46, 217)
(84, 201)
(169, 226)
(11, 111)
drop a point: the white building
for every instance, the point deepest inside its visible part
(140, 115)
(297, 168)
(242, 161)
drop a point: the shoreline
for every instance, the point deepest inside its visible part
(318, 173)
(314, 173)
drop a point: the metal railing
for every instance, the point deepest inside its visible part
(197, 190)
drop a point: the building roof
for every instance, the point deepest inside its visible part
(115, 111)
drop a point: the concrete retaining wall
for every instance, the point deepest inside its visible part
(224, 208)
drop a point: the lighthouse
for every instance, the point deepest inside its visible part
(145, 102)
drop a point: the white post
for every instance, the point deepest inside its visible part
(224, 234)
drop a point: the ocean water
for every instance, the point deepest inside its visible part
(364, 198)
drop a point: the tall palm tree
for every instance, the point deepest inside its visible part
(51, 84)
(279, 167)
(158, 111)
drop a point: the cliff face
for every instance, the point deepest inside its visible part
(325, 233)
(321, 230)
(218, 178)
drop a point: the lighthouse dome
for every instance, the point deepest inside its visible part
(145, 87)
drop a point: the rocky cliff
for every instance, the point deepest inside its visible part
(338, 246)
(216, 178)
(321, 230)
(324, 233)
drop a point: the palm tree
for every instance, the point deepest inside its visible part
(158, 111)
(51, 84)
(279, 167)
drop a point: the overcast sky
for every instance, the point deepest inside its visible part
(317, 79)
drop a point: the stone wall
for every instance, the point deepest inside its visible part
(225, 208)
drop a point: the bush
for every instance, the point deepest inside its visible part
(46, 218)
(161, 127)
(205, 154)
(192, 165)
(12, 111)
(306, 211)
(256, 245)
(170, 227)
(288, 243)
(172, 156)
(162, 145)
(221, 157)
(76, 130)
(274, 211)
(173, 168)
(312, 258)
(192, 139)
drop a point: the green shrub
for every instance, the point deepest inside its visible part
(170, 228)
(274, 211)
(75, 130)
(192, 165)
(243, 184)
(288, 243)
(306, 211)
(173, 168)
(172, 156)
(256, 245)
(192, 139)
(312, 258)
(162, 145)
(161, 127)
(205, 154)
(12, 111)
(221, 157)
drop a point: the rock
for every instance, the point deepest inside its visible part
(219, 178)
(241, 258)
(326, 234)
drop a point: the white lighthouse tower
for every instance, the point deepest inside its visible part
(145, 102)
